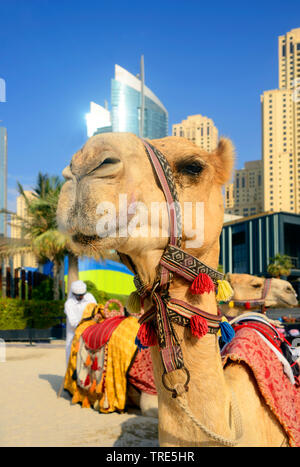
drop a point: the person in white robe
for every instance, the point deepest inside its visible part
(78, 299)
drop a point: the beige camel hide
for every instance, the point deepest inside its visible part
(110, 164)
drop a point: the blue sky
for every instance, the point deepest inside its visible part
(213, 58)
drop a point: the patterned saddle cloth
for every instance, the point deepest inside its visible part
(90, 364)
(258, 344)
(272, 336)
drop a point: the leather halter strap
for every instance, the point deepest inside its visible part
(167, 182)
(164, 173)
(186, 265)
(170, 349)
(174, 260)
(256, 301)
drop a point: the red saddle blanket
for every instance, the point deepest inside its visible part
(98, 335)
(140, 373)
(282, 397)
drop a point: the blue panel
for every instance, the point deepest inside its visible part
(90, 264)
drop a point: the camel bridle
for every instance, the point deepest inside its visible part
(167, 310)
(173, 261)
(255, 302)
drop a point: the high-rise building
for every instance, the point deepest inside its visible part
(21, 259)
(244, 197)
(198, 129)
(281, 131)
(134, 108)
(289, 62)
(3, 179)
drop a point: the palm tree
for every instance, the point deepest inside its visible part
(39, 229)
(280, 265)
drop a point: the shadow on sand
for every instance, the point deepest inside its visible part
(136, 431)
(139, 431)
(55, 382)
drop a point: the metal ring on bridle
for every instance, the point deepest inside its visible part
(173, 390)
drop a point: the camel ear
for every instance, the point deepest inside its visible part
(224, 160)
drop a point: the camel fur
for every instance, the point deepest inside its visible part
(114, 163)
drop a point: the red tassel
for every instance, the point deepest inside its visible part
(247, 305)
(87, 380)
(146, 335)
(95, 365)
(199, 326)
(202, 284)
(93, 387)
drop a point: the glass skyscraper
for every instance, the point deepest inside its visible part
(134, 109)
(3, 179)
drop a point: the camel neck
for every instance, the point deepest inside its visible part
(208, 396)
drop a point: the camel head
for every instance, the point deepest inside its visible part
(247, 287)
(111, 176)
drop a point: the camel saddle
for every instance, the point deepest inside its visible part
(258, 344)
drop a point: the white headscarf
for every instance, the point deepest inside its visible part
(77, 288)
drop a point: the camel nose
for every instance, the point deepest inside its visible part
(67, 174)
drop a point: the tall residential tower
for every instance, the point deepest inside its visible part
(198, 129)
(281, 131)
(244, 197)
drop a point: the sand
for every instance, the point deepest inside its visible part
(31, 415)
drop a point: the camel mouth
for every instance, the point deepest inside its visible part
(85, 240)
(286, 302)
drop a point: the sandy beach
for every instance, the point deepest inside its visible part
(32, 415)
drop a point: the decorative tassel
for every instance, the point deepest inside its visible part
(88, 360)
(248, 305)
(85, 403)
(99, 388)
(202, 284)
(225, 292)
(94, 366)
(231, 304)
(199, 326)
(139, 345)
(146, 335)
(134, 303)
(93, 387)
(96, 405)
(76, 397)
(87, 380)
(227, 331)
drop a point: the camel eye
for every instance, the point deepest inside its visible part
(256, 286)
(191, 168)
(110, 160)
